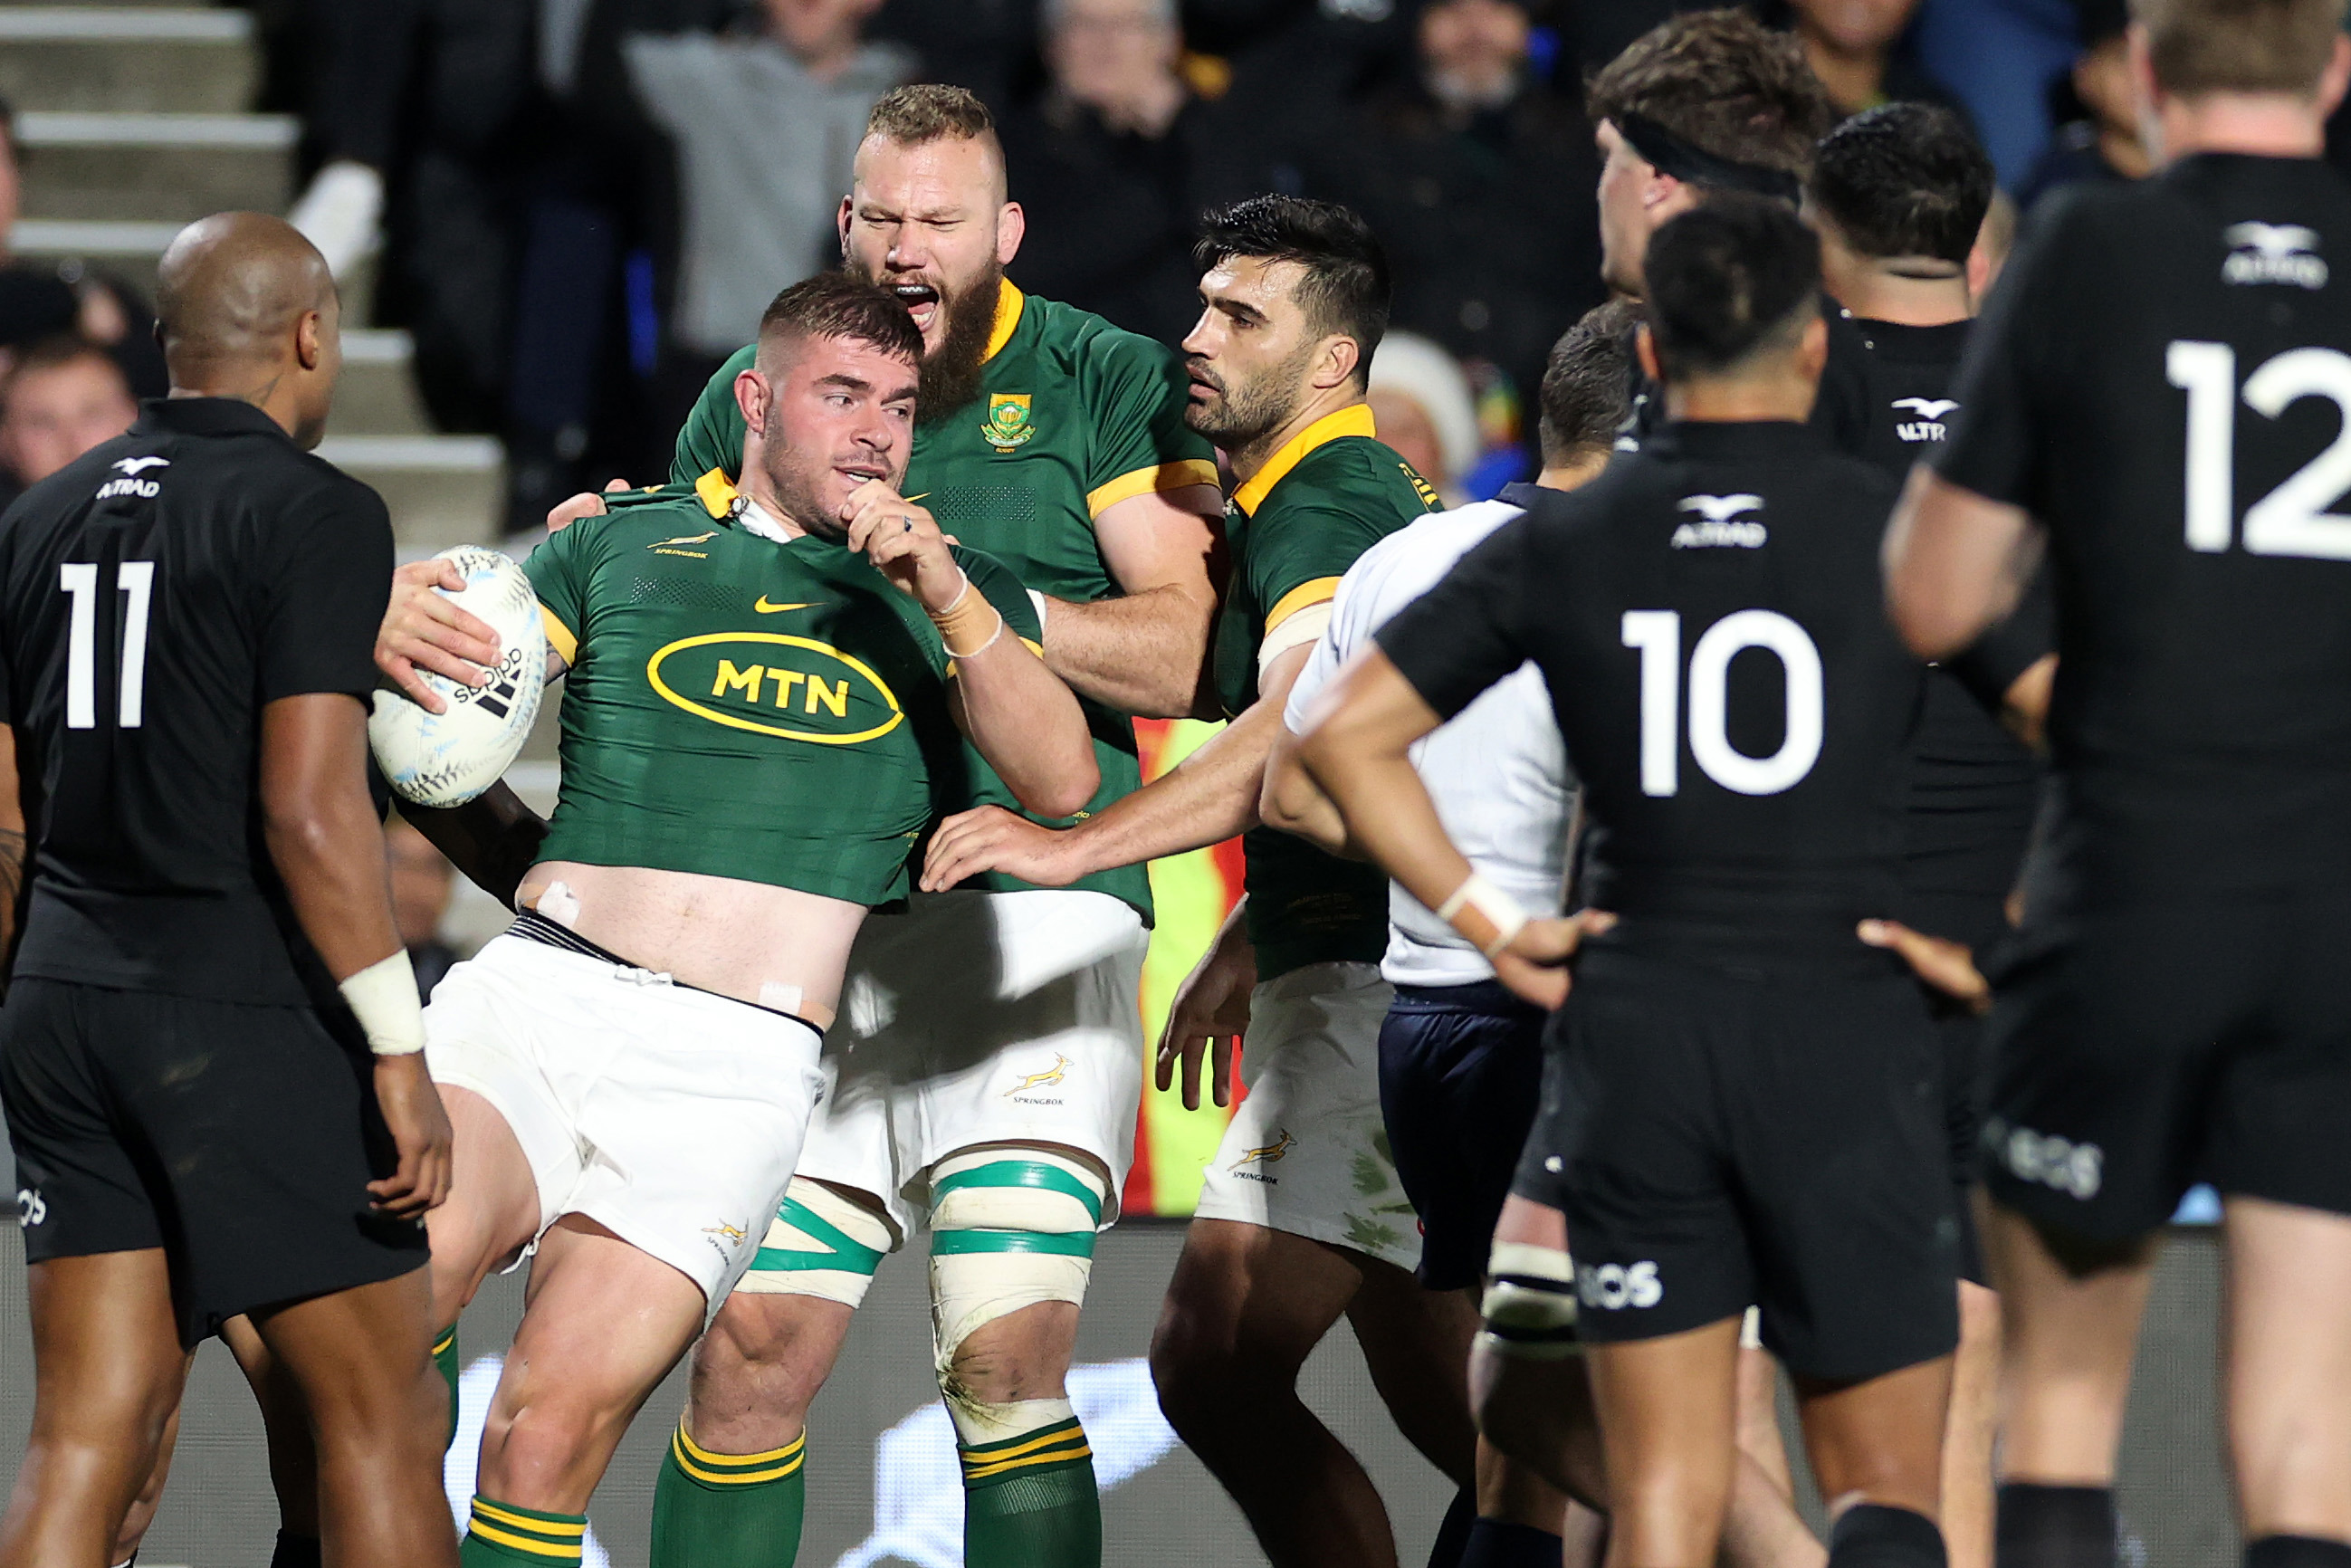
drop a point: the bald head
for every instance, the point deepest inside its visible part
(247, 308)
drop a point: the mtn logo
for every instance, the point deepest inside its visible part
(1719, 523)
(2273, 253)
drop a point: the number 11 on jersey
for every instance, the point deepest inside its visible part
(135, 578)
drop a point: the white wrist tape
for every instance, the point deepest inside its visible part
(1494, 916)
(383, 996)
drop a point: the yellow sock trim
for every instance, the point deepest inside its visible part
(707, 1456)
(536, 1548)
(519, 1522)
(982, 1472)
(683, 1448)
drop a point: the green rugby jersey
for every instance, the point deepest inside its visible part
(736, 706)
(1074, 416)
(1295, 528)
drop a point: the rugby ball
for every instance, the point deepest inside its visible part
(447, 758)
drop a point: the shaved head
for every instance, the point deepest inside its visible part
(246, 307)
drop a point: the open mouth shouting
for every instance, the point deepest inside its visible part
(921, 302)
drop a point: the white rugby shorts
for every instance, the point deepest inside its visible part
(982, 1018)
(670, 1116)
(1307, 1151)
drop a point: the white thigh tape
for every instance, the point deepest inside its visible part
(1529, 1302)
(819, 1244)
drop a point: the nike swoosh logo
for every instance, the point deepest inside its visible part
(764, 608)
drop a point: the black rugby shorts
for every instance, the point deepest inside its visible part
(1775, 1136)
(2140, 1049)
(238, 1139)
(1460, 1070)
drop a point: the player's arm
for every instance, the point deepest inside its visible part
(322, 835)
(426, 629)
(1290, 799)
(492, 838)
(1143, 652)
(1211, 796)
(14, 851)
(1021, 715)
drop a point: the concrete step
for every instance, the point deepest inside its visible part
(128, 250)
(377, 395)
(128, 58)
(154, 167)
(443, 490)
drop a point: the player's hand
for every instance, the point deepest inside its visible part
(904, 541)
(587, 504)
(989, 838)
(426, 631)
(419, 1132)
(1950, 966)
(1534, 965)
(1210, 1014)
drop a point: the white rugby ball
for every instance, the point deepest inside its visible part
(447, 758)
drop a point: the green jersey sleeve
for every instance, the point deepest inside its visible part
(1297, 554)
(712, 437)
(1134, 392)
(559, 571)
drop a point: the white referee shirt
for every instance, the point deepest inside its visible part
(1496, 770)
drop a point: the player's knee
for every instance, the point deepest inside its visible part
(1012, 1229)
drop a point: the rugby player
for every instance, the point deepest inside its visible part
(1739, 1104)
(1460, 1056)
(1301, 1219)
(187, 610)
(1009, 1059)
(2156, 391)
(1898, 194)
(631, 1066)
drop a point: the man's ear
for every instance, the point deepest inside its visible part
(309, 345)
(1011, 228)
(753, 396)
(1645, 349)
(1337, 362)
(1812, 348)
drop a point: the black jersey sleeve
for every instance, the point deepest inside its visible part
(330, 578)
(2022, 640)
(1995, 442)
(1463, 635)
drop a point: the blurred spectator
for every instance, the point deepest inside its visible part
(1480, 178)
(422, 885)
(766, 125)
(41, 302)
(65, 396)
(988, 46)
(2097, 136)
(1856, 49)
(2000, 56)
(1422, 402)
(1102, 162)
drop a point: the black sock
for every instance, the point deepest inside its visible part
(1875, 1535)
(1453, 1535)
(1497, 1544)
(2055, 1527)
(2296, 1551)
(295, 1550)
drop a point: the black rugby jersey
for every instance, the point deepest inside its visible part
(153, 596)
(1708, 618)
(1974, 787)
(2163, 378)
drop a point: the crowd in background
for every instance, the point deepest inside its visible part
(579, 207)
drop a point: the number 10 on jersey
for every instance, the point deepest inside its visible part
(1658, 633)
(136, 580)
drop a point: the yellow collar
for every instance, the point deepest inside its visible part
(1355, 419)
(716, 492)
(1009, 302)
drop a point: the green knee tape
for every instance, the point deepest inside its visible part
(1030, 1501)
(1034, 1174)
(500, 1535)
(728, 1510)
(846, 1252)
(445, 1359)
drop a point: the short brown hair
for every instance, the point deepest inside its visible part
(1723, 82)
(1587, 384)
(2239, 46)
(924, 112)
(835, 305)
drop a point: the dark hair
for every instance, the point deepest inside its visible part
(1722, 82)
(835, 305)
(67, 349)
(1346, 287)
(1727, 280)
(928, 111)
(2239, 46)
(1587, 383)
(1903, 179)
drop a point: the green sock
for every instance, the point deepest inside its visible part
(444, 1358)
(728, 1510)
(503, 1535)
(1029, 1501)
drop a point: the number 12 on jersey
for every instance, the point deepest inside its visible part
(1658, 633)
(135, 578)
(2293, 519)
